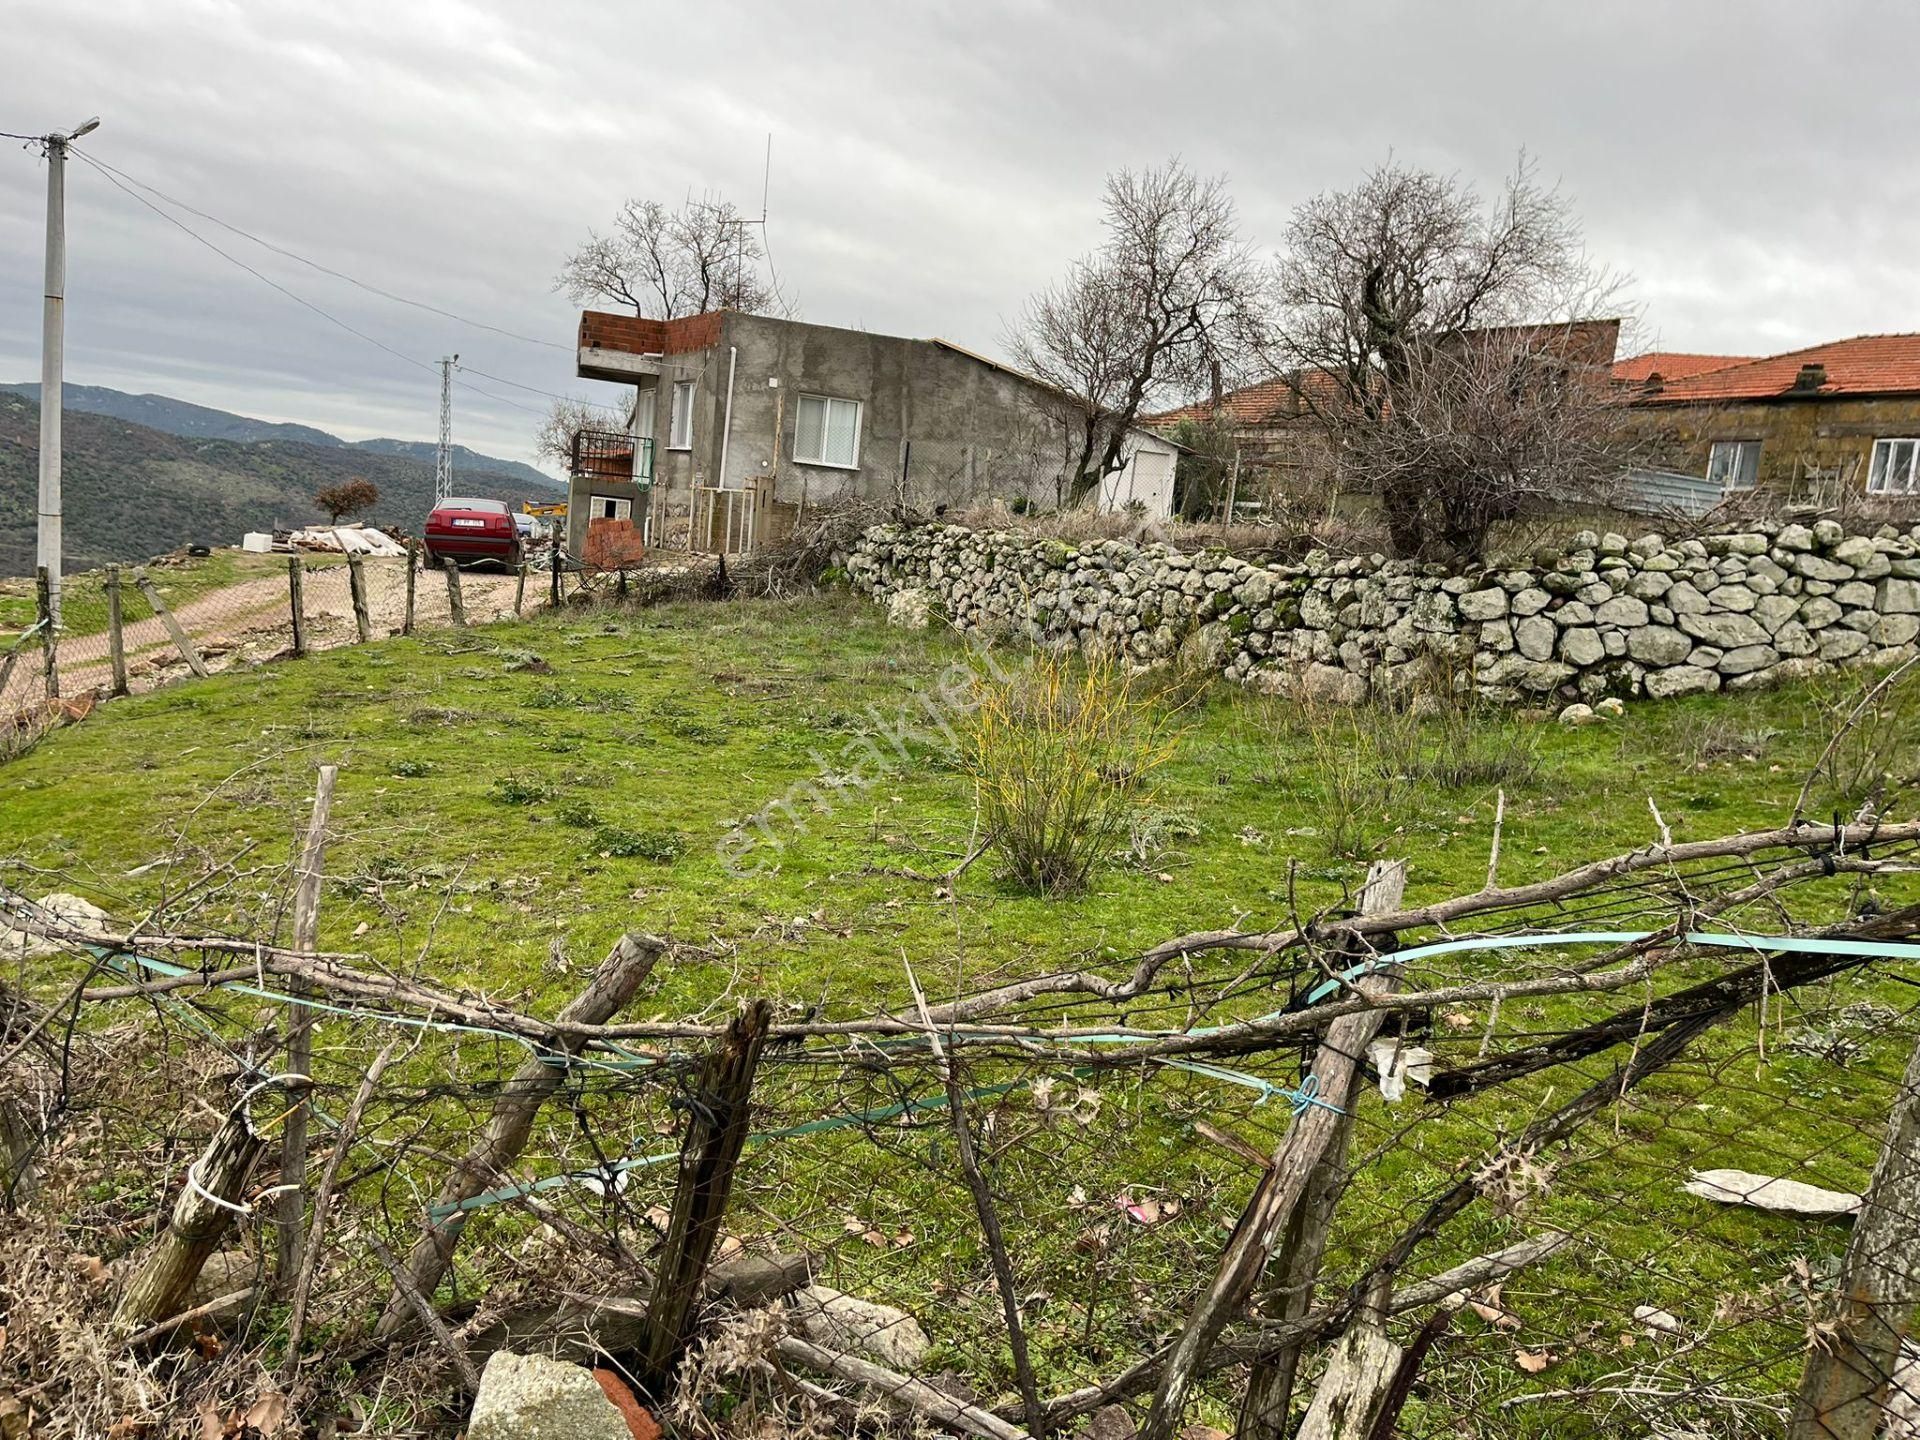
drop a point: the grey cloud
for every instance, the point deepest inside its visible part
(1748, 163)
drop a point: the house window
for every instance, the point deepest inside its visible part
(1894, 465)
(827, 432)
(609, 507)
(1734, 464)
(680, 430)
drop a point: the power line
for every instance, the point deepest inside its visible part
(329, 270)
(269, 281)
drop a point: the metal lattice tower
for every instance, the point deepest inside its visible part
(443, 459)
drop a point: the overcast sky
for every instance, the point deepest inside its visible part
(1752, 165)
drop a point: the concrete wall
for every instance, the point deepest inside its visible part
(1609, 616)
(977, 431)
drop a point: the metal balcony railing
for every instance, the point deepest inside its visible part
(609, 455)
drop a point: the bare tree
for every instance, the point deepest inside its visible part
(1442, 348)
(351, 496)
(1171, 304)
(665, 263)
(564, 420)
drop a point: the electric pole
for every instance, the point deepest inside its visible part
(443, 461)
(52, 358)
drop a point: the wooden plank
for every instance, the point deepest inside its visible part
(1843, 1389)
(716, 1132)
(291, 1233)
(180, 641)
(455, 605)
(49, 632)
(914, 1396)
(297, 603)
(511, 1123)
(519, 587)
(1354, 1387)
(357, 588)
(116, 632)
(1315, 1127)
(1264, 1408)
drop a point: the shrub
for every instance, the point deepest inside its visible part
(1357, 753)
(661, 846)
(577, 813)
(1869, 727)
(349, 497)
(519, 790)
(1058, 749)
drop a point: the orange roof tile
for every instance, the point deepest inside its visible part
(1672, 365)
(1864, 365)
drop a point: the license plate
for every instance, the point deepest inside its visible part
(464, 521)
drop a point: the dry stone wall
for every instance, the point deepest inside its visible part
(1608, 616)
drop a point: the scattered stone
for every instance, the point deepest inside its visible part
(1576, 715)
(529, 1397)
(839, 1321)
(1611, 708)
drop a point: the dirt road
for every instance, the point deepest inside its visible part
(250, 622)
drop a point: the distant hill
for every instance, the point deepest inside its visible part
(182, 417)
(132, 491)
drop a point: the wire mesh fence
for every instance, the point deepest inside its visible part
(1592, 1155)
(121, 631)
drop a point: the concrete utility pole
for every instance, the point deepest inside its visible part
(52, 358)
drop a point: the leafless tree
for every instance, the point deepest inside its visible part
(564, 420)
(1170, 305)
(1445, 352)
(664, 263)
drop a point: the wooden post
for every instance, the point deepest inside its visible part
(207, 1205)
(455, 606)
(180, 640)
(297, 603)
(116, 634)
(1336, 1066)
(716, 1131)
(519, 588)
(1844, 1386)
(293, 1147)
(539, 1075)
(413, 567)
(558, 548)
(357, 588)
(1263, 1410)
(49, 638)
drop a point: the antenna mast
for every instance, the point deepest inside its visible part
(443, 460)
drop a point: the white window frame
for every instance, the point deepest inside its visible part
(643, 407)
(680, 417)
(1737, 451)
(829, 401)
(622, 508)
(1878, 469)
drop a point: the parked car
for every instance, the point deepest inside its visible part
(466, 530)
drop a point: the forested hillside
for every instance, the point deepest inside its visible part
(132, 492)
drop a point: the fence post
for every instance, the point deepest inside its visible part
(292, 1229)
(716, 1132)
(1845, 1383)
(519, 588)
(297, 604)
(49, 644)
(455, 605)
(554, 601)
(116, 636)
(413, 565)
(357, 587)
(1264, 1409)
(180, 640)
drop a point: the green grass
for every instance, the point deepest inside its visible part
(510, 823)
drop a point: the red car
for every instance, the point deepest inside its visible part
(469, 530)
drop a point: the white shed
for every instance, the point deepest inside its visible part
(1145, 478)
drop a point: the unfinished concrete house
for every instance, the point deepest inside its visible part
(739, 425)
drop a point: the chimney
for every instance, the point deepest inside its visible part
(1811, 377)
